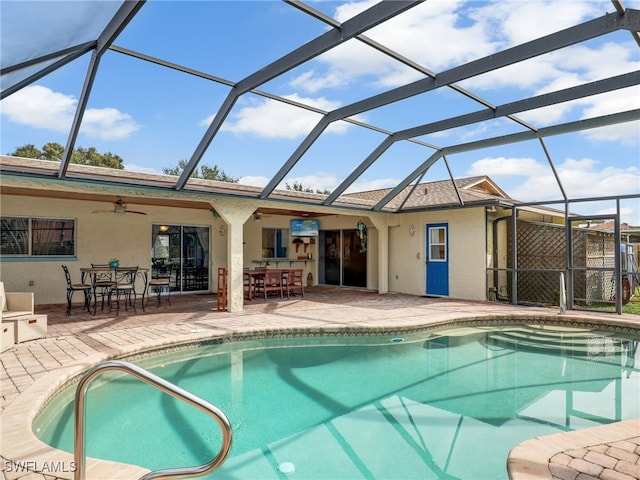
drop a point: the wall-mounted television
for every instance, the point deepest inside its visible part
(306, 227)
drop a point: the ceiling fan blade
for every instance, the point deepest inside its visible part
(139, 213)
(103, 211)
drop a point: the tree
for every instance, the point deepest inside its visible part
(53, 151)
(90, 156)
(83, 156)
(205, 172)
(27, 151)
(298, 187)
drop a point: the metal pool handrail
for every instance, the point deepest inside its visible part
(165, 386)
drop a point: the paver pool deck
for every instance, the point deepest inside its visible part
(32, 370)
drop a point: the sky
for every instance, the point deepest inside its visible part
(154, 117)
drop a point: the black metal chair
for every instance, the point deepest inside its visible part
(125, 286)
(77, 287)
(161, 282)
(102, 284)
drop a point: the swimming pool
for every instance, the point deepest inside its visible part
(431, 404)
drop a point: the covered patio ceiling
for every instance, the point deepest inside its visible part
(94, 35)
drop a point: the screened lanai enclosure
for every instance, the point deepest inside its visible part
(337, 98)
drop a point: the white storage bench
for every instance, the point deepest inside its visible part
(27, 327)
(18, 319)
(7, 340)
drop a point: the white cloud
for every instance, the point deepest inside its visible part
(501, 167)
(40, 107)
(522, 21)
(365, 185)
(317, 181)
(628, 214)
(273, 119)
(321, 181)
(472, 32)
(582, 178)
(108, 124)
(414, 33)
(254, 181)
(133, 167)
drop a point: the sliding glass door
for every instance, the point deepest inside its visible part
(341, 260)
(185, 251)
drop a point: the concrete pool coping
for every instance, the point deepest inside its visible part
(346, 310)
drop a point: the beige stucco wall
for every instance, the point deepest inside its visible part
(128, 237)
(99, 236)
(467, 252)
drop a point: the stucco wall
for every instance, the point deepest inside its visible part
(99, 236)
(467, 253)
(128, 237)
(252, 248)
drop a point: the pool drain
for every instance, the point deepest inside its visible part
(397, 340)
(287, 468)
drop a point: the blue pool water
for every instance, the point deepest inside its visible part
(436, 404)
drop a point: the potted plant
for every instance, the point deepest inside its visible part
(361, 231)
(114, 262)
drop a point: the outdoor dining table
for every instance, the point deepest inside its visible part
(92, 271)
(256, 275)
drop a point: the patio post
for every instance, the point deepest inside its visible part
(235, 213)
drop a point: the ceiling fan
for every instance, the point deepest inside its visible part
(258, 215)
(119, 208)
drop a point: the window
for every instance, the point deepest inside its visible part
(437, 244)
(275, 242)
(25, 236)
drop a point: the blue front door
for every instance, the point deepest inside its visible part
(437, 259)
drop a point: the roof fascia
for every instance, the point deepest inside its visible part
(491, 184)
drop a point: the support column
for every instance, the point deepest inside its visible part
(382, 226)
(235, 213)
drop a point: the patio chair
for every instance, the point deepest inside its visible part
(258, 281)
(161, 283)
(125, 286)
(77, 287)
(272, 283)
(293, 282)
(102, 284)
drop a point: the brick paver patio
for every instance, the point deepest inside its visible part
(612, 452)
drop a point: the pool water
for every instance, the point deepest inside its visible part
(438, 404)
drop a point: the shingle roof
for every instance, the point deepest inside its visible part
(441, 193)
(473, 190)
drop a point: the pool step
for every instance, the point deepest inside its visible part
(545, 339)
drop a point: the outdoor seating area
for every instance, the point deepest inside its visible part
(114, 287)
(263, 282)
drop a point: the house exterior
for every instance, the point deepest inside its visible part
(441, 243)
